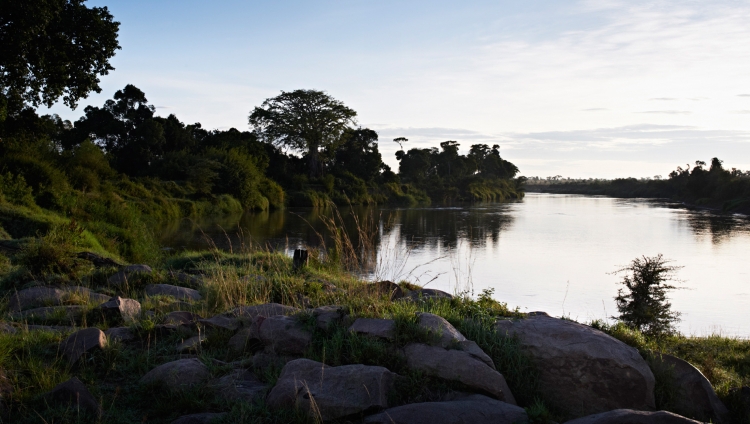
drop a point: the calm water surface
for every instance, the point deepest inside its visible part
(553, 253)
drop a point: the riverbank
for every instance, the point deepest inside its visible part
(236, 324)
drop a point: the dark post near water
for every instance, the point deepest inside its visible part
(300, 258)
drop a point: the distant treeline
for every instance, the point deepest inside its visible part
(704, 185)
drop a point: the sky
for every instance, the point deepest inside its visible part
(582, 89)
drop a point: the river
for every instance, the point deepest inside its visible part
(547, 252)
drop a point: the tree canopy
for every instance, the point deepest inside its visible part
(51, 49)
(306, 121)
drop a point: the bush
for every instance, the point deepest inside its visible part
(54, 253)
(644, 306)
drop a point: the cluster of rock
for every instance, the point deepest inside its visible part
(583, 372)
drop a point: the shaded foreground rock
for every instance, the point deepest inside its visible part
(327, 315)
(178, 375)
(128, 272)
(629, 416)
(383, 328)
(71, 313)
(427, 294)
(448, 336)
(335, 392)
(122, 334)
(81, 342)
(221, 322)
(239, 385)
(73, 393)
(386, 288)
(118, 309)
(696, 397)
(583, 371)
(202, 418)
(475, 409)
(35, 297)
(284, 335)
(458, 366)
(182, 293)
(265, 310)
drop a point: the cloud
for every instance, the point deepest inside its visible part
(743, 95)
(743, 112)
(162, 107)
(594, 109)
(663, 98)
(668, 112)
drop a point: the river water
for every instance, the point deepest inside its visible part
(547, 252)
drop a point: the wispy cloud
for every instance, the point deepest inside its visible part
(668, 112)
(743, 112)
(663, 98)
(594, 109)
(743, 95)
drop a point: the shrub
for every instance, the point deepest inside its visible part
(644, 305)
(54, 253)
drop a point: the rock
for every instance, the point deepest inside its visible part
(184, 278)
(239, 385)
(583, 371)
(265, 310)
(383, 328)
(182, 318)
(121, 334)
(70, 313)
(427, 294)
(696, 397)
(386, 288)
(6, 328)
(221, 322)
(284, 335)
(82, 341)
(629, 416)
(99, 261)
(191, 344)
(73, 393)
(175, 291)
(331, 392)
(458, 366)
(53, 328)
(246, 340)
(327, 315)
(178, 375)
(35, 297)
(448, 336)
(202, 418)
(119, 309)
(475, 409)
(128, 272)
(87, 295)
(263, 360)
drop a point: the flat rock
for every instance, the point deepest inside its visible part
(457, 365)
(265, 310)
(69, 312)
(383, 328)
(191, 344)
(177, 292)
(582, 370)
(629, 416)
(202, 418)
(386, 288)
(121, 334)
(327, 315)
(331, 392)
(185, 318)
(184, 278)
(427, 294)
(284, 335)
(98, 260)
(447, 336)
(35, 297)
(82, 341)
(246, 340)
(475, 409)
(128, 272)
(239, 385)
(178, 375)
(119, 309)
(221, 322)
(696, 397)
(73, 393)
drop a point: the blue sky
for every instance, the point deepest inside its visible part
(575, 88)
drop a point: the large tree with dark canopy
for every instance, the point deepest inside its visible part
(306, 121)
(51, 49)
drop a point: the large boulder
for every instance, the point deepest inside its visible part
(178, 375)
(327, 315)
(177, 292)
(73, 393)
(447, 336)
(696, 397)
(119, 310)
(375, 327)
(284, 335)
(35, 297)
(457, 365)
(120, 334)
(239, 385)
(82, 341)
(475, 409)
(583, 371)
(128, 273)
(331, 392)
(629, 416)
(221, 322)
(68, 313)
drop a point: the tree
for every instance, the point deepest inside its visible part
(307, 121)
(51, 49)
(644, 304)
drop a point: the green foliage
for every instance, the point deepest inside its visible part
(54, 252)
(644, 305)
(13, 189)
